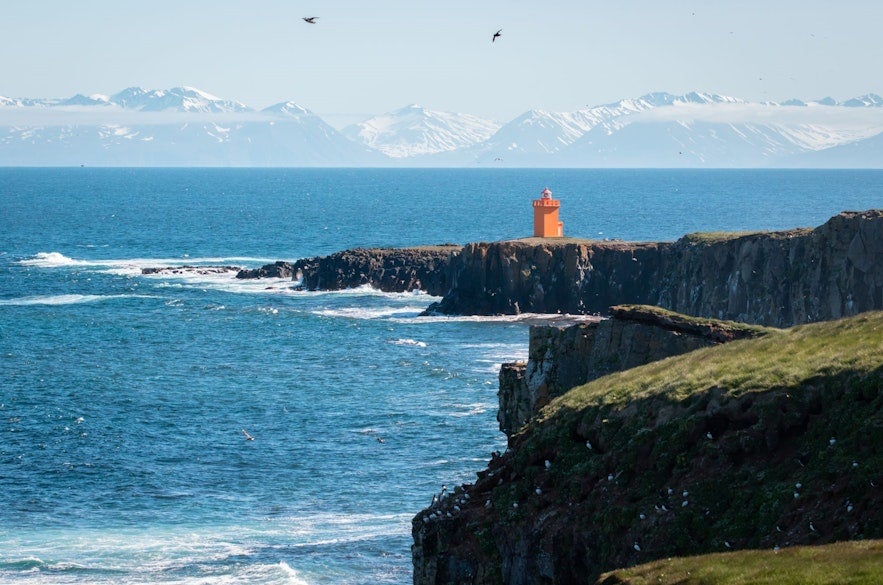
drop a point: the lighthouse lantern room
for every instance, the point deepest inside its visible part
(545, 216)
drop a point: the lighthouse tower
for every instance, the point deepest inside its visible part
(545, 216)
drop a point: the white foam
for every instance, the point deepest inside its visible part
(52, 260)
(369, 313)
(527, 318)
(66, 299)
(58, 260)
(411, 342)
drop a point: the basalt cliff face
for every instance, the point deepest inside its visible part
(758, 443)
(423, 268)
(562, 357)
(777, 278)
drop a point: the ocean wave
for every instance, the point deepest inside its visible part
(70, 299)
(527, 318)
(52, 260)
(369, 313)
(59, 260)
(408, 342)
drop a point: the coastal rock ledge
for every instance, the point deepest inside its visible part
(562, 357)
(422, 268)
(770, 278)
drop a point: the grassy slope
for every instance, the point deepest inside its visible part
(853, 563)
(736, 427)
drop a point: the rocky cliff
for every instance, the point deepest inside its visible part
(561, 357)
(758, 443)
(388, 269)
(777, 278)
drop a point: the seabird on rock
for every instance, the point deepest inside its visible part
(499, 33)
(636, 546)
(539, 492)
(247, 436)
(310, 19)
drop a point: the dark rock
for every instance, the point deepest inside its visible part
(562, 357)
(422, 268)
(179, 270)
(777, 278)
(278, 269)
(678, 468)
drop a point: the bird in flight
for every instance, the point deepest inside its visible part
(247, 436)
(310, 19)
(499, 33)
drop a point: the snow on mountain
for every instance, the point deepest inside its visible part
(868, 100)
(414, 130)
(175, 127)
(541, 134)
(180, 99)
(187, 126)
(83, 100)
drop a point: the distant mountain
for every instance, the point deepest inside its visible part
(539, 135)
(184, 126)
(180, 99)
(414, 131)
(175, 127)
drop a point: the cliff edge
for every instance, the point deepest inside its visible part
(562, 357)
(776, 278)
(757, 443)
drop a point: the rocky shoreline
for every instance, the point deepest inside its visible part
(777, 279)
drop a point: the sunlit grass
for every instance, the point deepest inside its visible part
(845, 563)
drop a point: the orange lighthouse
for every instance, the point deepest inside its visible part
(545, 217)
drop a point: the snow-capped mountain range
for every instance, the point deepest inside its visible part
(184, 126)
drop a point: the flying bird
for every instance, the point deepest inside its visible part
(247, 436)
(499, 33)
(310, 19)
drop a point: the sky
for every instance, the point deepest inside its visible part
(366, 58)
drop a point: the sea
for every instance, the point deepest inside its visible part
(127, 399)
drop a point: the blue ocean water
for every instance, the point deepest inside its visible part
(123, 397)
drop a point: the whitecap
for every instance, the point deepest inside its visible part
(411, 342)
(51, 260)
(69, 299)
(368, 313)
(526, 318)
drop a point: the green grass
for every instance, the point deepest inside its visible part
(781, 359)
(737, 426)
(652, 313)
(854, 563)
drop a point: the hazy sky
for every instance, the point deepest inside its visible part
(364, 58)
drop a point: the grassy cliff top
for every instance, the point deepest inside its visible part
(759, 443)
(853, 563)
(779, 360)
